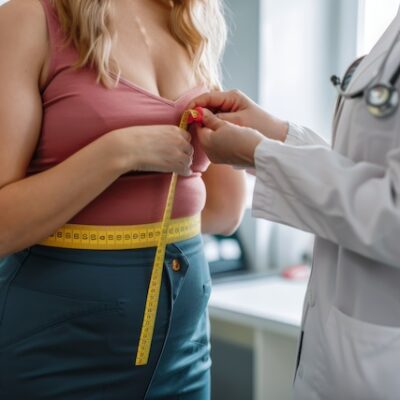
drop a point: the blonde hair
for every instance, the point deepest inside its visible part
(199, 25)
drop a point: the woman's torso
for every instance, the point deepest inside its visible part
(77, 111)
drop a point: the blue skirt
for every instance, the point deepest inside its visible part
(70, 322)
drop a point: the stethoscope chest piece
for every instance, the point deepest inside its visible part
(382, 100)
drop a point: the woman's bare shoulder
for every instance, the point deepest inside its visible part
(25, 13)
(23, 31)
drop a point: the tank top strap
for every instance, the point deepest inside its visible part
(61, 54)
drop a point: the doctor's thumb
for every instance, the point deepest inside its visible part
(211, 121)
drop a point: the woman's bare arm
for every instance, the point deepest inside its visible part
(32, 208)
(226, 198)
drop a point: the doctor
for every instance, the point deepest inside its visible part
(349, 196)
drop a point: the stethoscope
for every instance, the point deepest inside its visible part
(382, 98)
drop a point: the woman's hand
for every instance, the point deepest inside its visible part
(227, 143)
(237, 108)
(159, 148)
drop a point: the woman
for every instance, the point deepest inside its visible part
(92, 93)
(349, 197)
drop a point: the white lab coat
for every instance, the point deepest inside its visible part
(350, 198)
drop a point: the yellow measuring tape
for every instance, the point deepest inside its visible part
(153, 294)
(122, 237)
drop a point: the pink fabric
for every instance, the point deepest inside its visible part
(77, 111)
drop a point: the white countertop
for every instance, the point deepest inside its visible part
(267, 303)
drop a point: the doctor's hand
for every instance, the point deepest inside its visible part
(237, 108)
(227, 143)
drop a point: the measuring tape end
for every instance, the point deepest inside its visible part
(196, 115)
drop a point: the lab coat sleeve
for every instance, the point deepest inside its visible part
(300, 136)
(314, 188)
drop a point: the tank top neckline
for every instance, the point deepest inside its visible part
(56, 37)
(148, 93)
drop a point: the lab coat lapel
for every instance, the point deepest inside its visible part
(372, 62)
(366, 70)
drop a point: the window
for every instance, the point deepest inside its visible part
(374, 17)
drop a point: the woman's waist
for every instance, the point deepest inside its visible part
(121, 237)
(130, 258)
(136, 201)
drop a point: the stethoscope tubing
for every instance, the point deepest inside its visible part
(377, 76)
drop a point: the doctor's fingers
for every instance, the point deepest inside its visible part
(230, 101)
(212, 122)
(235, 118)
(210, 138)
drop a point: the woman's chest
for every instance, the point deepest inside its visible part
(77, 111)
(149, 56)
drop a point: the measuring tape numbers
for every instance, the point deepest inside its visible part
(121, 237)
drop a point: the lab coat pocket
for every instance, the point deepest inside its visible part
(363, 359)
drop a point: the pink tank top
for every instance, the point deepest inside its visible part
(77, 111)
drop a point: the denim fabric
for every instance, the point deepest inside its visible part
(70, 323)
